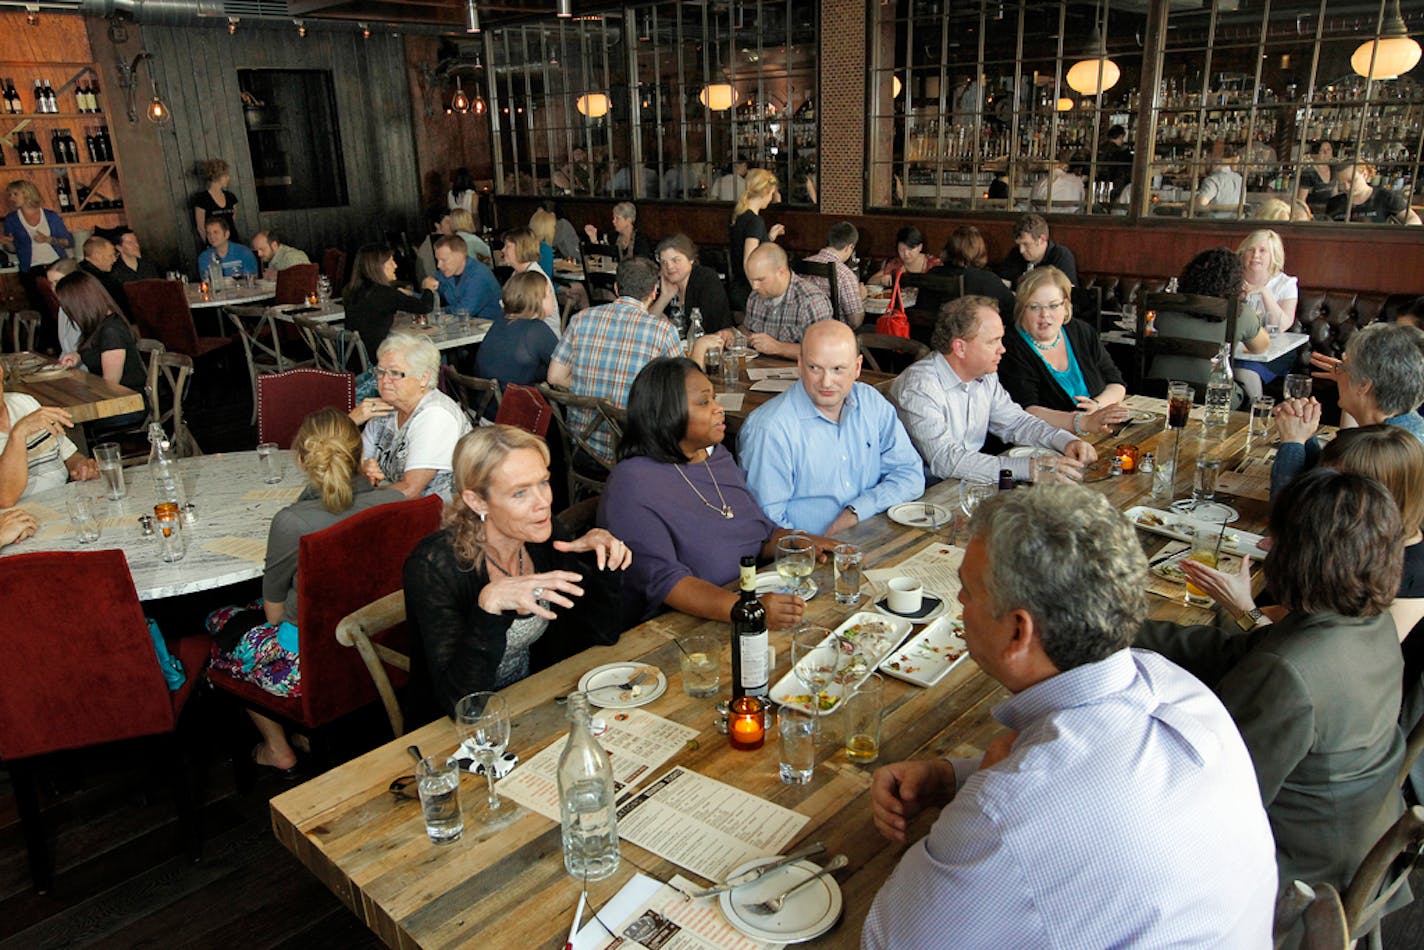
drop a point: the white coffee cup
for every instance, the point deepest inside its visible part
(905, 594)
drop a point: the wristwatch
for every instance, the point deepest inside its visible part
(851, 509)
(1251, 619)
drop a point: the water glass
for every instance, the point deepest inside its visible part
(1045, 471)
(83, 517)
(269, 462)
(1297, 386)
(732, 361)
(1204, 481)
(862, 720)
(110, 458)
(701, 660)
(1262, 415)
(438, 778)
(848, 579)
(797, 729)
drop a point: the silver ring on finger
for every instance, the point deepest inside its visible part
(538, 593)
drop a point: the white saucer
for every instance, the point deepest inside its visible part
(770, 582)
(938, 610)
(1028, 452)
(807, 914)
(1208, 512)
(920, 514)
(611, 674)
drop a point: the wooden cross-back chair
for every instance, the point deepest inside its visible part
(600, 413)
(262, 343)
(169, 374)
(475, 394)
(827, 272)
(334, 348)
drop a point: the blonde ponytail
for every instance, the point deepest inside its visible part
(328, 447)
(760, 184)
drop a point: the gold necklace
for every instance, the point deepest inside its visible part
(726, 510)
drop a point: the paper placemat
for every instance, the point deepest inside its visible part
(244, 549)
(772, 385)
(288, 494)
(732, 402)
(773, 372)
(42, 513)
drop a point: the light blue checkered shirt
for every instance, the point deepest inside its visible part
(1126, 815)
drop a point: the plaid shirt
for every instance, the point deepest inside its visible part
(847, 286)
(788, 316)
(605, 347)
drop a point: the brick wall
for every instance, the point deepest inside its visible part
(843, 83)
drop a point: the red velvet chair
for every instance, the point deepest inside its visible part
(285, 399)
(160, 308)
(333, 268)
(526, 408)
(339, 570)
(296, 284)
(73, 681)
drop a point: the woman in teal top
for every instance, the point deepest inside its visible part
(1055, 366)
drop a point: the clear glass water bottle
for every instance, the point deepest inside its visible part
(590, 822)
(694, 327)
(162, 466)
(1220, 388)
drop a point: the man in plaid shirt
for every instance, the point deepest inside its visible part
(782, 305)
(605, 347)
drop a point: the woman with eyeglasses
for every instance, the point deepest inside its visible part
(410, 429)
(1056, 367)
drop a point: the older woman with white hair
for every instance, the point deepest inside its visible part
(629, 241)
(411, 428)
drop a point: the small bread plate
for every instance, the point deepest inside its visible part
(932, 607)
(770, 582)
(599, 682)
(1028, 452)
(929, 655)
(1170, 524)
(877, 635)
(1170, 568)
(920, 514)
(807, 914)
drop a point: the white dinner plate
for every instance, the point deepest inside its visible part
(930, 655)
(806, 914)
(920, 514)
(611, 674)
(770, 582)
(937, 606)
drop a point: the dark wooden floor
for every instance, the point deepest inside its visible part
(122, 877)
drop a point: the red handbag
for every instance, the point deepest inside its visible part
(893, 321)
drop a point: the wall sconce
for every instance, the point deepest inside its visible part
(1392, 55)
(32, 14)
(365, 31)
(157, 111)
(461, 102)
(232, 23)
(592, 104)
(718, 96)
(301, 28)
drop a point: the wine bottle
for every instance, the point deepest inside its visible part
(750, 672)
(40, 103)
(51, 100)
(61, 190)
(89, 144)
(94, 95)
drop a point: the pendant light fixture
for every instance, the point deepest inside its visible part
(461, 102)
(565, 8)
(472, 17)
(718, 96)
(592, 104)
(1392, 55)
(1083, 77)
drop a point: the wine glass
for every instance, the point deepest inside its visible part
(482, 723)
(1297, 386)
(816, 659)
(795, 560)
(972, 491)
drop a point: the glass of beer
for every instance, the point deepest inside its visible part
(1205, 546)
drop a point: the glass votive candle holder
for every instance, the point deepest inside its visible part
(1127, 455)
(746, 723)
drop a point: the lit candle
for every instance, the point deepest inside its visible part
(311, 298)
(1127, 455)
(746, 724)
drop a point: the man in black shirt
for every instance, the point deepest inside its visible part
(99, 259)
(1032, 248)
(1115, 161)
(1366, 202)
(131, 264)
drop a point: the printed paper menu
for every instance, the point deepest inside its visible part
(636, 741)
(705, 825)
(647, 914)
(936, 566)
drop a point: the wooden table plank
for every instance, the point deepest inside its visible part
(504, 884)
(87, 396)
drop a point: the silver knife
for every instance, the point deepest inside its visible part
(756, 874)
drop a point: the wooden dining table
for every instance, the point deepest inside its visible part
(86, 396)
(504, 883)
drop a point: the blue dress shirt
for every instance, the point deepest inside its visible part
(238, 260)
(804, 469)
(1126, 815)
(474, 289)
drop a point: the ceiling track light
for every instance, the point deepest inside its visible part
(472, 17)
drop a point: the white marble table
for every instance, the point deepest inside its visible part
(447, 335)
(227, 544)
(262, 290)
(330, 312)
(1281, 344)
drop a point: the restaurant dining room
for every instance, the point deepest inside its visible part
(711, 474)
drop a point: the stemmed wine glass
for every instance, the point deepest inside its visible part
(482, 723)
(795, 560)
(816, 659)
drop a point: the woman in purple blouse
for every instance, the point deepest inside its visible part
(679, 501)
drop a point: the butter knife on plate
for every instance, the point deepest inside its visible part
(756, 874)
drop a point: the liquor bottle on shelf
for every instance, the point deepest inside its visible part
(89, 144)
(94, 95)
(41, 103)
(13, 105)
(51, 101)
(101, 139)
(61, 191)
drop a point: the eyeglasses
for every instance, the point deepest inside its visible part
(1037, 308)
(380, 372)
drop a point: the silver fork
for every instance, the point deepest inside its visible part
(773, 906)
(633, 680)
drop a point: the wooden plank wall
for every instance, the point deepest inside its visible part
(1362, 258)
(443, 142)
(196, 68)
